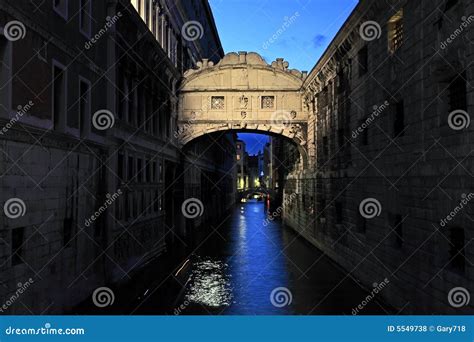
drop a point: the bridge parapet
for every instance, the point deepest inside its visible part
(243, 93)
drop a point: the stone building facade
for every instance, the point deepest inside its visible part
(88, 100)
(389, 105)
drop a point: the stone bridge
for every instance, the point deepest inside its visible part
(243, 93)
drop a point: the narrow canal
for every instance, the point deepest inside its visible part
(245, 265)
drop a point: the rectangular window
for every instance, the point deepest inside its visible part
(363, 58)
(154, 177)
(322, 209)
(156, 202)
(120, 166)
(457, 93)
(128, 213)
(364, 136)
(325, 146)
(130, 168)
(340, 137)
(147, 12)
(323, 98)
(450, 4)
(5, 72)
(141, 7)
(395, 32)
(61, 7)
(268, 102)
(85, 17)
(17, 245)
(59, 96)
(84, 107)
(399, 120)
(139, 170)
(217, 102)
(148, 172)
(457, 253)
(67, 231)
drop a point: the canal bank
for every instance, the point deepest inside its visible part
(245, 264)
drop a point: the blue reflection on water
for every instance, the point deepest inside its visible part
(256, 261)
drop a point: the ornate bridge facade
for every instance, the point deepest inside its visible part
(243, 93)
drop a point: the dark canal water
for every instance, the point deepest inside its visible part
(244, 265)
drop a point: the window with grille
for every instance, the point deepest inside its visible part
(457, 255)
(61, 7)
(395, 31)
(363, 58)
(85, 15)
(457, 93)
(399, 120)
(450, 4)
(268, 102)
(325, 146)
(217, 102)
(17, 245)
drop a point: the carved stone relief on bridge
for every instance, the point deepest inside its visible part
(244, 93)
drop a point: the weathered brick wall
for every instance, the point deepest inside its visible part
(418, 176)
(55, 184)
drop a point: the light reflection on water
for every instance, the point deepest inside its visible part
(209, 284)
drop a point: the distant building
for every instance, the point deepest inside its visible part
(252, 172)
(88, 110)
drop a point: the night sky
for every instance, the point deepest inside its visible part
(254, 142)
(247, 25)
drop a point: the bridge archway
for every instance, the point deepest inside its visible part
(243, 93)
